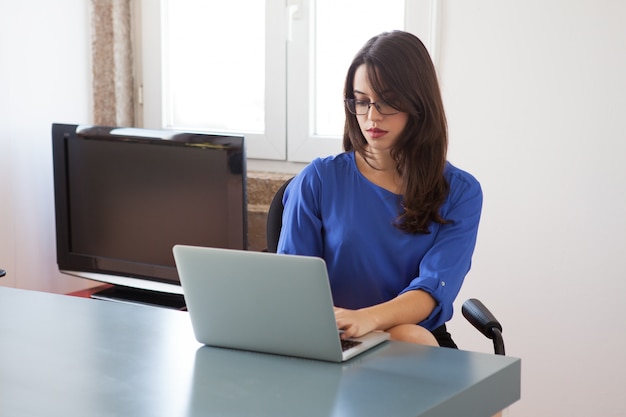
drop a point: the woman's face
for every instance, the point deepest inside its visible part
(381, 131)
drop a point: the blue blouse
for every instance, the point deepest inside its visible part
(332, 211)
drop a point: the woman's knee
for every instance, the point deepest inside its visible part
(412, 333)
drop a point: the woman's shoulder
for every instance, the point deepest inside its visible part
(453, 173)
(342, 159)
(460, 180)
(330, 165)
(331, 171)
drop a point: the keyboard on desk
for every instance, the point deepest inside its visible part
(347, 344)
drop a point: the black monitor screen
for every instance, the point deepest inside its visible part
(125, 197)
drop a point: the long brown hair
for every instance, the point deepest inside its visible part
(401, 72)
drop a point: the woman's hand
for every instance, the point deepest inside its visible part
(354, 323)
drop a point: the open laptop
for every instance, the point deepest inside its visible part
(264, 302)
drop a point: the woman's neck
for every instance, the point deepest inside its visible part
(379, 160)
(381, 170)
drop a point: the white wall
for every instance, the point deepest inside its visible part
(536, 100)
(44, 78)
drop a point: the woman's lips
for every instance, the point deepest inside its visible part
(376, 133)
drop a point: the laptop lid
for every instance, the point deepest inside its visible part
(263, 302)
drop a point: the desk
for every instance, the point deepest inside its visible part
(70, 356)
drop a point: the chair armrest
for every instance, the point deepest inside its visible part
(485, 322)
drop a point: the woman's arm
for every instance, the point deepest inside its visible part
(408, 308)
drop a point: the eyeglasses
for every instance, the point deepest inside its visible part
(361, 107)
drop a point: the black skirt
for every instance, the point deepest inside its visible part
(443, 337)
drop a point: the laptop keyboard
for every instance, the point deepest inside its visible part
(347, 344)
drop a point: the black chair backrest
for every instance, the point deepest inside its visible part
(275, 218)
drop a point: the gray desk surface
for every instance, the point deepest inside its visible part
(69, 356)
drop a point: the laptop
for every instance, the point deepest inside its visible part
(264, 302)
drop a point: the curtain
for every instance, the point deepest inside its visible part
(112, 63)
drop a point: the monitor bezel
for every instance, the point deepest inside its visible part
(115, 271)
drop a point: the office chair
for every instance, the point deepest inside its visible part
(473, 310)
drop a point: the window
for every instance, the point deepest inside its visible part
(272, 70)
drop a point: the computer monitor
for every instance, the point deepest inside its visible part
(125, 196)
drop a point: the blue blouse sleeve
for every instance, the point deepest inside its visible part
(444, 266)
(302, 223)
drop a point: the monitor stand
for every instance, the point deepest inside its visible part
(140, 296)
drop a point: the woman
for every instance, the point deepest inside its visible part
(394, 221)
